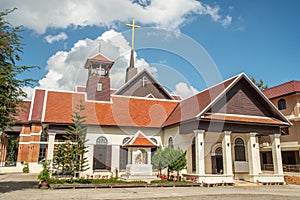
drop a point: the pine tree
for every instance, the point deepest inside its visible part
(259, 84)
(70, 156)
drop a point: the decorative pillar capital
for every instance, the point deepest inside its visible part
(227, 132)
(51, 134)
(199, 131)
(252, 134)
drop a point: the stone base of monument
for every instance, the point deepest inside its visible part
(140, 172)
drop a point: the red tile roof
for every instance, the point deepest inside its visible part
(191, 107)
(80, 89)
(139, 140)
(123, 111)
(283, 89)
(245, 119)
(24, 112)
(38, 103)
(101, 58)
(176, 97)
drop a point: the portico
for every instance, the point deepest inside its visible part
(232, 156)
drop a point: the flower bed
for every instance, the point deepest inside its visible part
(114, 183)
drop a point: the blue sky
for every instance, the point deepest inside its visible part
(259, 37)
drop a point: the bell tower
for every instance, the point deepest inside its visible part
(98, 83)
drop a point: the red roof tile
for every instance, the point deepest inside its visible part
(24, 112)
(101, 58)
(176, 97)
(282, 89)
(139, 140)
(80, 89)
(191, 107)
(123, 111)
(38, 103)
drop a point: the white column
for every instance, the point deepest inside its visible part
(199, 148)
(276, 153)
(51, 139)
(253, 155)
(227, 156)
(149, 157)
(129, 161)
(50, 151)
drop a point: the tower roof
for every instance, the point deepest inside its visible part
(99, 58)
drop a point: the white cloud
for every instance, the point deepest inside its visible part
(40, 15)
(66, 68)
(214, 12)
(29, 92)
(184, 90)
(55, 38)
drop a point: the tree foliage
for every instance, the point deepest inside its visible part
(160, 159)
(69, 156)
(259, 84)
(172, 158)
(11, 93)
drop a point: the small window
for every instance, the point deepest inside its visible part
(219, 151)
(101, 140)
(281, 104)
(125, 140)
(170, 142)
(44, 137)
(99, 86)
(42, 153)
(153, 140)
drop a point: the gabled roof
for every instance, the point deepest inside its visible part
(24, 112)
(121, 111)
(191, 107)
(36, 110)
(139, 140)
(283, 89)
(100, 57)
(196, 106)
(139, 76)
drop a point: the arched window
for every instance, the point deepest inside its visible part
(281, 104)
(101, 140)
(239, 150)
(153, 140)
(219, 151)
(125, 140)
(170, 142)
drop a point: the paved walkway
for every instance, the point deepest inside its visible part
(20, 186)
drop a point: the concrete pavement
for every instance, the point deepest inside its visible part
(20, 189)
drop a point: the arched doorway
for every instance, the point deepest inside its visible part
(217, 161)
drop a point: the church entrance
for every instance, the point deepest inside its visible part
(217, 161)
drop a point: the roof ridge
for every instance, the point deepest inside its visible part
(280, 85)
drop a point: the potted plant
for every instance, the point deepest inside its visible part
(44, 175)
(26, 168)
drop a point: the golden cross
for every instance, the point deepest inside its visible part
(132, 33)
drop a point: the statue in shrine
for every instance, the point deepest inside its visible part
(140, 158)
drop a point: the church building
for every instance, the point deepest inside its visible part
(220, 128)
